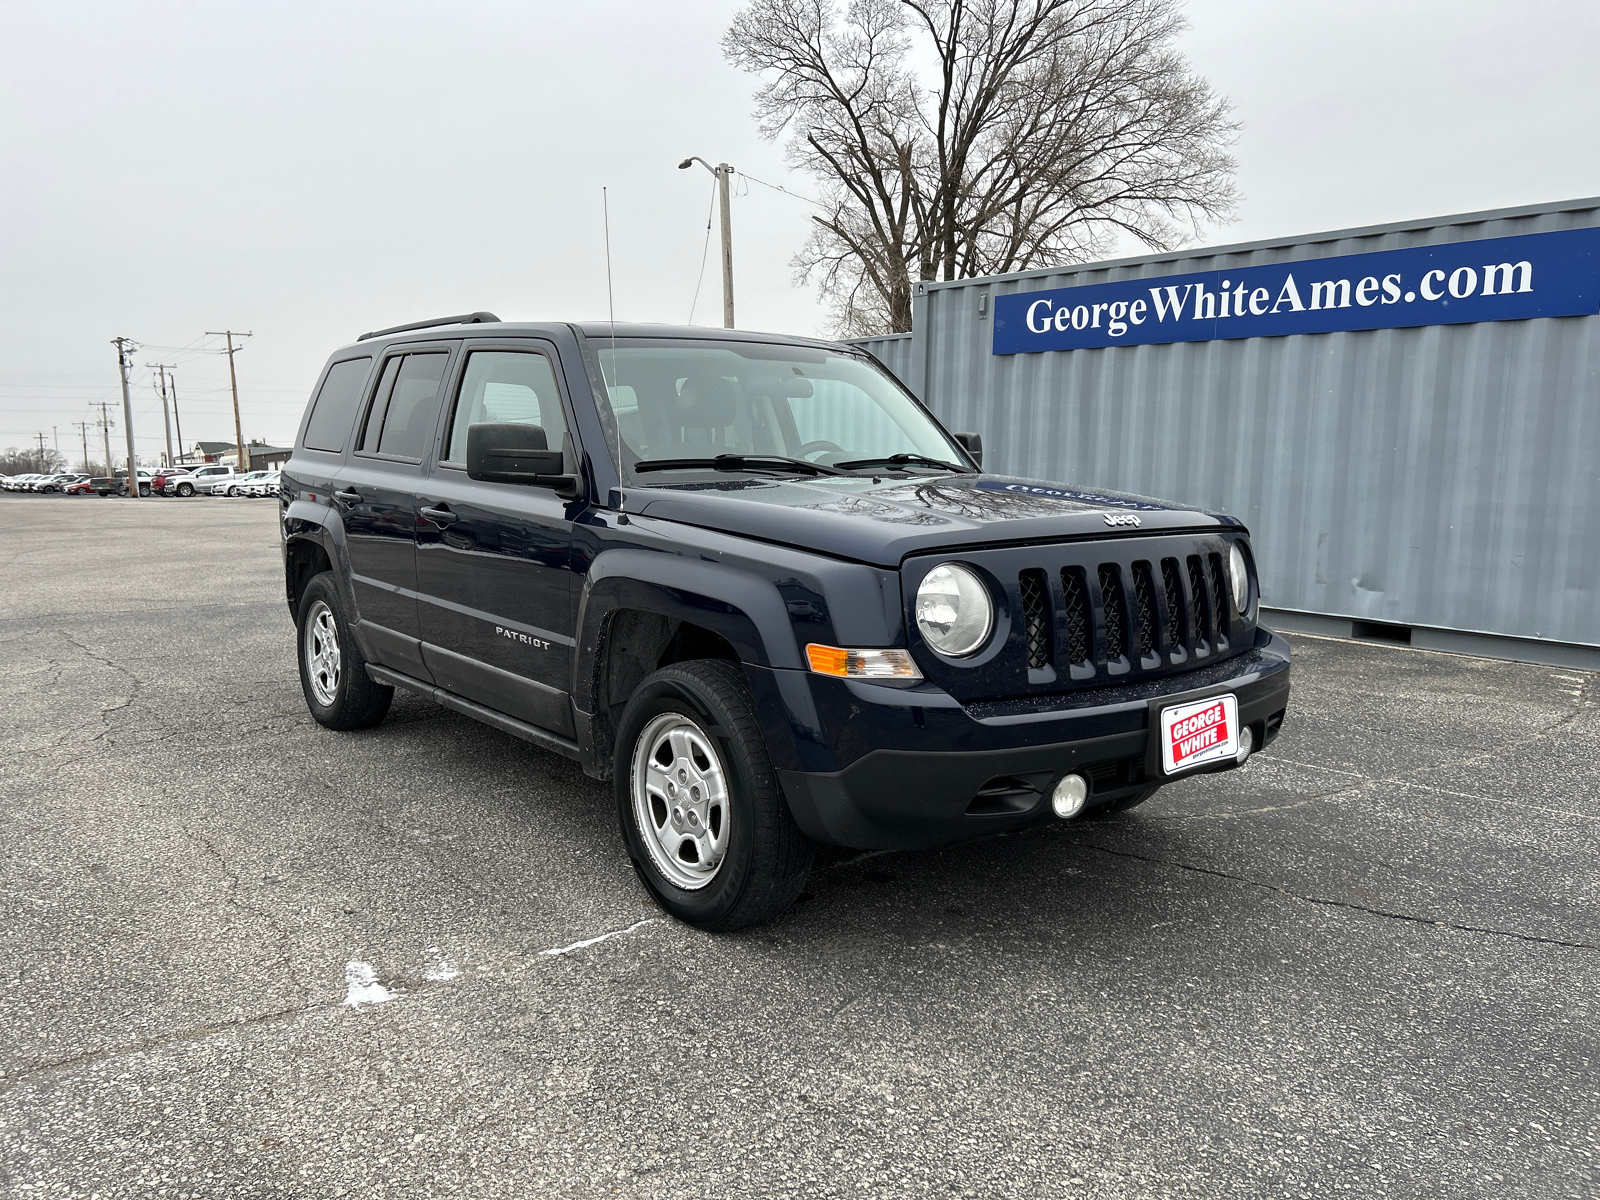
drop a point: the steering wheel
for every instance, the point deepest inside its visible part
(820, 444)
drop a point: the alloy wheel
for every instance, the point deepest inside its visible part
(320, 646)
(680, 800)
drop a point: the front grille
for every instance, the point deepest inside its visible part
(1144, 602)
(1075, 611)
(1202, 603)
(1085, 614)
(1035, 616)
(1111, 598)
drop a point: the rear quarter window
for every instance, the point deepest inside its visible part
(333, 411)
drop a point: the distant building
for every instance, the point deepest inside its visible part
(262, 456)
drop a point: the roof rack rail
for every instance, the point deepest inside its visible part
(477, 318)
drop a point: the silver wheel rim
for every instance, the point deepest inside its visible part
(321, 650)
(680, 800)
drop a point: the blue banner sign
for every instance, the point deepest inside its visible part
(1553, 274)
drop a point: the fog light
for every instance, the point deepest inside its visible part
(1068, 796)
(1247, 743)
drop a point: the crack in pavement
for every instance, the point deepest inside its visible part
(1331, 903)
(231, 878)
(405, 985)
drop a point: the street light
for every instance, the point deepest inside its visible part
(723, 173)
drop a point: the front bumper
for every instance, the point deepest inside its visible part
(881, 768)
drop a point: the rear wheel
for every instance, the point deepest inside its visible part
(333, 675)
(707, 827)
(186, 489)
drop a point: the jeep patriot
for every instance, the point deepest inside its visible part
(754, 583)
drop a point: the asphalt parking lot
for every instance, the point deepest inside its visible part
(1366, 965)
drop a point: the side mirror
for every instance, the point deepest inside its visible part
(973, 444)
(506, 452)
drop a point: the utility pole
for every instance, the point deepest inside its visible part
(166, 420)
(723, 173)
(39, 437)
(243, 464)
(125, 348)
(83, 428)
(105, 432)
(55, 435)
(177, 417)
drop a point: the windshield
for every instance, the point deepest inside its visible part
(677, 400)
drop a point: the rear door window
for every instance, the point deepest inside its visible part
(333, 411)
(404, 408)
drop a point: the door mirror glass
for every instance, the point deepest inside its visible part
(511, 452)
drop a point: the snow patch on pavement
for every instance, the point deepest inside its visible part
(441, 969)
(363, 986)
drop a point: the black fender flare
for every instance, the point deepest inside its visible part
(320, 525)
(738, 605)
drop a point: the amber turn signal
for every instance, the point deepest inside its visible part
(861, 664)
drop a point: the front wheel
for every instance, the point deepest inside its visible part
(703, 818)
(144, 489)
(333, 675)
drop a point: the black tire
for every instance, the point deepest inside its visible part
(144, 489)
(1117, 807)
(349, 698)
(767, 858)
(185, 490)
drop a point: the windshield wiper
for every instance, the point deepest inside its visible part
(902, 460)
(736, 462)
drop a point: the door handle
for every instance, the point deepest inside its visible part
(348, 497)
(440, 515)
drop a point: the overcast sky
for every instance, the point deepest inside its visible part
(309, 171)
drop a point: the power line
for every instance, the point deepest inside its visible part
(777, 188)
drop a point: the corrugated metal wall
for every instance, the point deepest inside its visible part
(894, 351)
(1442, 476)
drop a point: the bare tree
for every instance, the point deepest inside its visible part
(954, 138)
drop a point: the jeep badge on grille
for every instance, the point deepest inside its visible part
(1122, 519)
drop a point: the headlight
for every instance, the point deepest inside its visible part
(954, 611)
(1240, 577)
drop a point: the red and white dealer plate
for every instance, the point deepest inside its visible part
(1199, 733)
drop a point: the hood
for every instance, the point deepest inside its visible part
(883, 520)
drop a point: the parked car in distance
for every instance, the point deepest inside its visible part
(59, 483)
(215, 480)
(145, 478)
(82, 487)
(22, 483)
(267, 485)
(166, 480)
(195, 477)
(237, 486)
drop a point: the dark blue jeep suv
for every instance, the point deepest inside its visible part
(754, 582)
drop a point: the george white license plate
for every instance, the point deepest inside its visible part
(1199, 733)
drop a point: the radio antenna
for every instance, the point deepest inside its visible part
(611, 309)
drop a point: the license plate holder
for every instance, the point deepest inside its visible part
(1198, 733)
